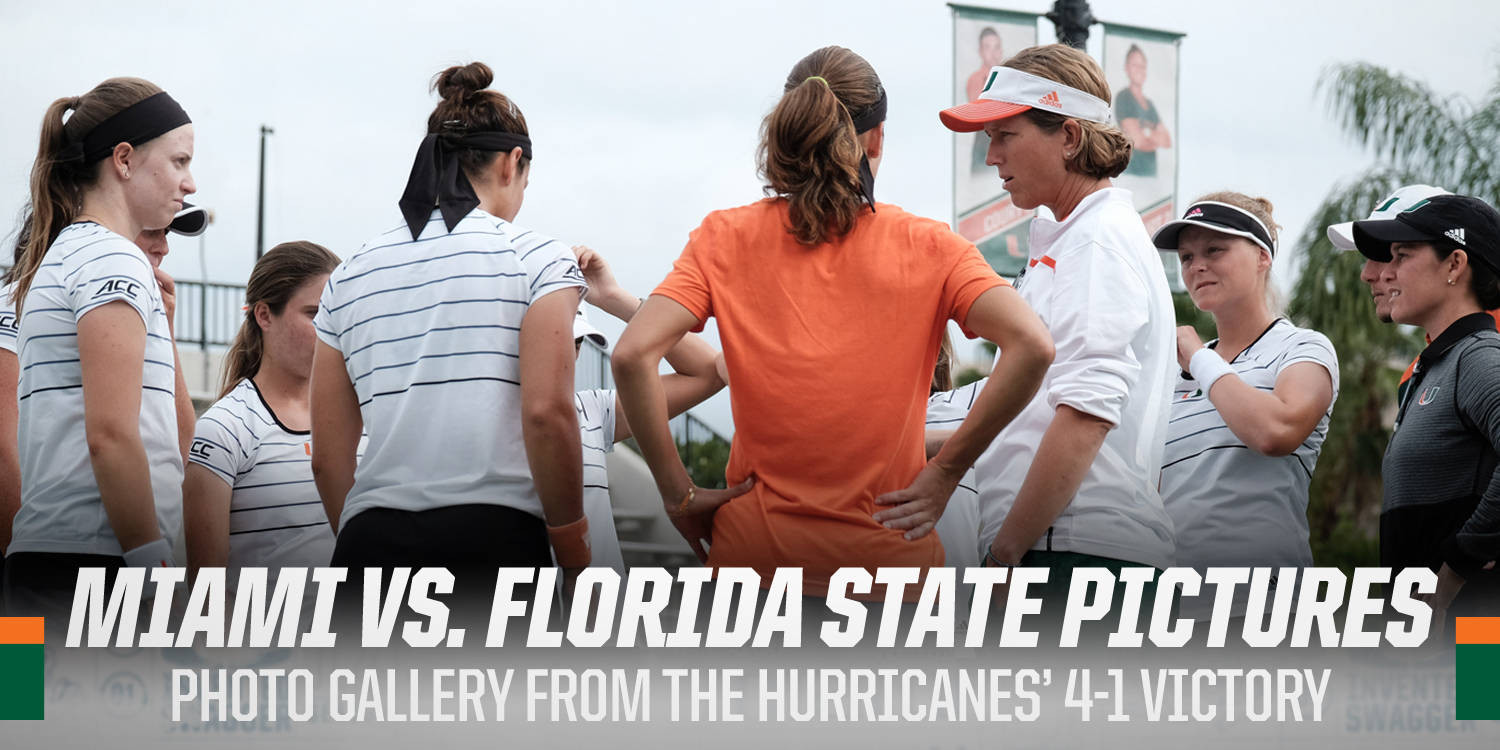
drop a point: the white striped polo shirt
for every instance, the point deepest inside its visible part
(8, 321)
(430, 334)
(87, 266)
(276, 518)
(596, 425)
(1230, 505)
(959, 525)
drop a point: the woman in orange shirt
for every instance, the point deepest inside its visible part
(830, 308)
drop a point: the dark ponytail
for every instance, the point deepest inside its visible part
(809, 151)
(57, 186)
(276, 277)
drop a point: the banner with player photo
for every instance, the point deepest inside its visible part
(982, 209)
(1141, 67)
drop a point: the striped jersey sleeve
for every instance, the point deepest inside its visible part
(596, 425)
(222, 441)
(549, 263)
(958, 527)
(596, 419)
(946, 410)
(110, 269)
(9, 325)
(324, 323)
(1311, 346)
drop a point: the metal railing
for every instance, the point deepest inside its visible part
(592, 369)
(208, 314)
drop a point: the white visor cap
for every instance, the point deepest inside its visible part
(1009, 92)
(1342, 235)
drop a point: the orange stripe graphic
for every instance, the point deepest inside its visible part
(20, 631)
(1477, 630)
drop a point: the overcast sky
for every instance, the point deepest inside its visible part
(644, 114)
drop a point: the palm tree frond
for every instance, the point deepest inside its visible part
(1399, 119)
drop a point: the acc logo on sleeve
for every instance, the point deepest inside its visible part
(200, 449)
(8, 322)
(119, 286)
(21, 686)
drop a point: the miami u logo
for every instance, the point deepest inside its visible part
(1428, 394)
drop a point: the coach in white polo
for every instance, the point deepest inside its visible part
(1071, 482)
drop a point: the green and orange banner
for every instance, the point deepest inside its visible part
(21, 668)
(1478, 667)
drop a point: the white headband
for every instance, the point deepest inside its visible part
(1017, 87)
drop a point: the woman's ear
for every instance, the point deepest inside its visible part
(263, 315)
(1072, 137)
(1456, 262)
(510, 166)
(119, 160)
(874, 141)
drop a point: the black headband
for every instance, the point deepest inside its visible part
(1217, 217)
(136, 124)
(437, 179)
(864, 122)
(872, 116)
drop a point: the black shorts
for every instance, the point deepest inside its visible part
(471, 541)
(40, 584)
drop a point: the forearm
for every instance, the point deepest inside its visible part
(645, 403)
(206, 550)
(1067, 450)
(336, 427)
(333, 475)
(124, 478)
(187, 417)
(205, 515)
(555, 455)
(935, 439)
(10, 459)
(615, 301)
(1014, 381)
(10, 492)
(1263, 421)
(692, 356)
(1477, 542)
(1478, 396)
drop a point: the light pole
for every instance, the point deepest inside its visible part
(260, 200)
(1072, 19)
(208, 220)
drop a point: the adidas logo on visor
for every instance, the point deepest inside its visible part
(1456, 234)
(1050, 100)
(1196, 212)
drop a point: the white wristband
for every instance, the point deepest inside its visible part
(1207, 367)
(157, 554)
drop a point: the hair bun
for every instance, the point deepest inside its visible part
(461, 81)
